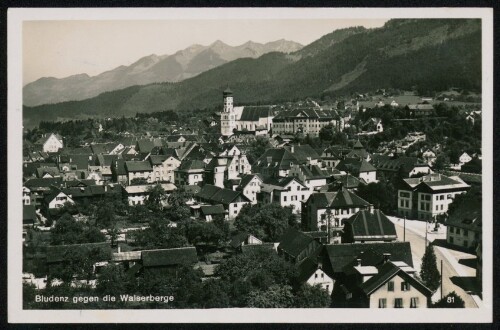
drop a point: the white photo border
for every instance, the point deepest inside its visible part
(16, 314)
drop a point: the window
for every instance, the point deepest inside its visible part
(405, 286)
(390, 286)
(466, 232)
(382, 303)
(284, 198)
(398, 303)
(458, 231)
(451, 239)
(322, 275)
(441, 197)
(401, 203)
(414, 302)
(452, 229)
(315, 275)
(407, 204)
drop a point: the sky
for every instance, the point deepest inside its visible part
(56, 48)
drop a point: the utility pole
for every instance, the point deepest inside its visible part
(426, 225)
(441, 279)
(404, 229)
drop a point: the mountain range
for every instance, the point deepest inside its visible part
(183, 64)
(424, 54)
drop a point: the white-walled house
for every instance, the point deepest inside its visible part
(312, 274)
(50, 142)
(232, 201)
(138, 194)
(389, 286)
(250, 185)
(286, 192)
(26, 196)
(164, 167)
(56, 199)
(464, 158)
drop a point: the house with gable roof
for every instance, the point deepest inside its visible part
(313, 176)
(50, 143)
(250, 185)
(164, 167)
(327, 211)
(358, 168)
(391, 286)
(232, 201)
(295, 246)
(190, 172)
(138, 170)
(288, 192)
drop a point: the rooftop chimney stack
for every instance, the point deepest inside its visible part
(387, 257)
(371, 208)
(359, 262)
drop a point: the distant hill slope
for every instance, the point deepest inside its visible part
(431, 55)
(184, 64)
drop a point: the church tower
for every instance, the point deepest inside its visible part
(228, 117)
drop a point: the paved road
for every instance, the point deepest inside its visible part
(418, 248)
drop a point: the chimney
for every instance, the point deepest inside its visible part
(371, 208)
(292, 149)
(359, 262)
(320, 265)
(387, 257)
(119, 248)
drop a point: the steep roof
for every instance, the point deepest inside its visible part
(354, 165)
(145, 146)
(253, 113)
(43, 183)
(346, 198)
(365, 225)
(303, 152)
(341, 255)
(214, 194)
(387, 271)
(468, 215)
(293, 241)
(138, 166)
(276, 158)
(169, 257)
(246, 178)
(308, 113)
(306, 268)
(192, 165)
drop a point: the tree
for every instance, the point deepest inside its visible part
(157, 197)
(112, 280)
(69, 231)
(429, 272)
(381, 194)
(177, 209)
(312, 297)
(267, 222)
(206, 233)
(105, 215)
(451, 300)
(277, 296)
(160, 235)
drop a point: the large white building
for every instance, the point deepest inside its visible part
(428, 196)
(257, 119)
